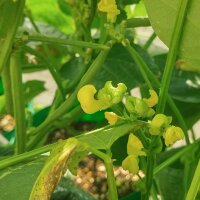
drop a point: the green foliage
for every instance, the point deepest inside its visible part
(104, 138)
(32, 89)
(19, 179)
(49, 12)
(184, 86)
(123, 69)
(74, 41)
(163, 12)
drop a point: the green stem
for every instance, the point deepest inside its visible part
(173, 51)
(18, 102)
(139, 61)
(195, 185)
(69, 103)
(154, 192)
(29, 68)
(174, 157)
(24, 157)
(137, 22)
(7, 88)
(11, 14)
(112, 195)
(149, 41)
(53, 70)
(59, 41)
(148, 75)
(149, 175)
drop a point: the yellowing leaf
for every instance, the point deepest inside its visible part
(53, 170)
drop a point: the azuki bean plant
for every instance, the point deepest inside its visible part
(92, 51)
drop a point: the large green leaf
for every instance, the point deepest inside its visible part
(163, 14)
(177, 176)
(17, 181)
(103, 138)
(120, 67)
(48, 11)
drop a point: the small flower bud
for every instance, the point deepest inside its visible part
(159, 124)
(130, 163)
(138, 107)
(135, 146)
(110, 7)
(111, 117)
(110, 94)
(172, 135)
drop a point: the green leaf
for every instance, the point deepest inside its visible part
(32, 89)
(67, 189)
(64, 7)
(103, 138)
(118, 67)
(55, 167)
(19, 179)
(184, 86)
(47, 11)
(170, 182)
(163, 14)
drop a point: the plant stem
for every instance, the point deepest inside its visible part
(149, 41)
(7, 88)
(139, 61)
(59, 41)
(137, 22)
(110, 174)
(174, 157)
(147, 74)
(69, 103)
(173, 51)
(195, 185)
(25, 156)
(18, 102)
(11, 13)
(149, 175)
